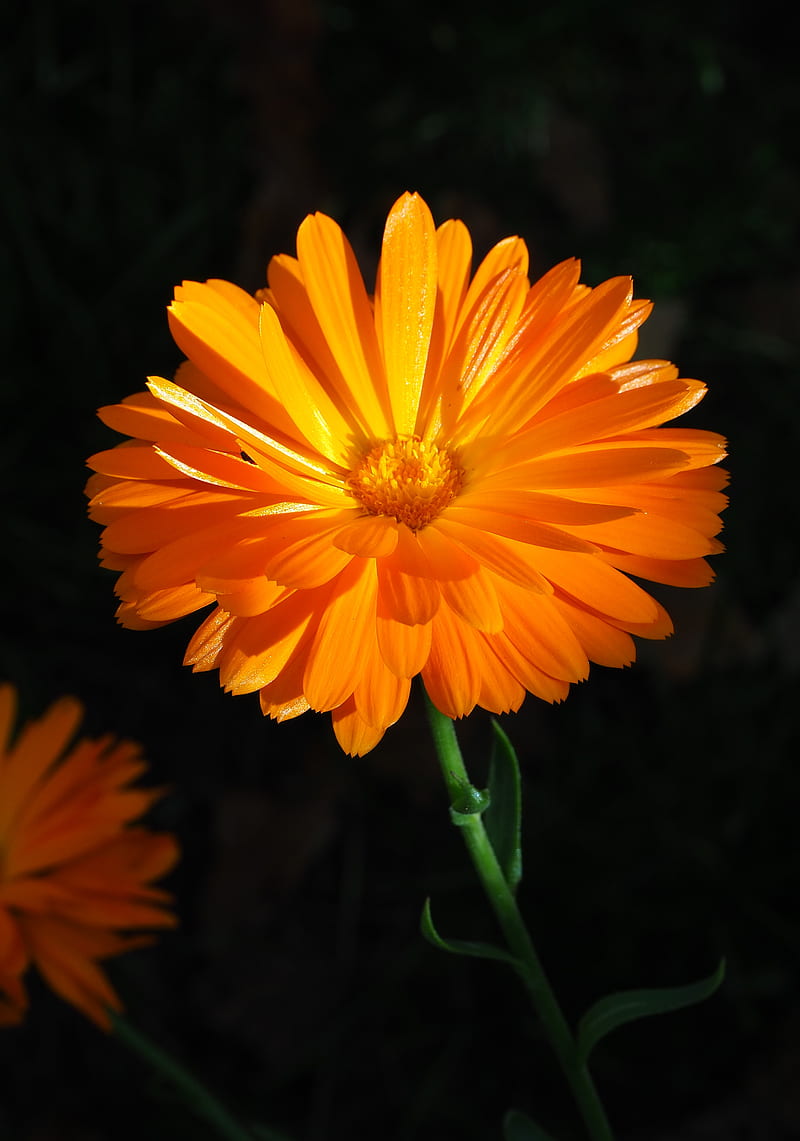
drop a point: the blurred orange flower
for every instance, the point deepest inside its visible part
(72, 873)
(453, 478)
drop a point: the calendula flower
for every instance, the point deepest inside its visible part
(456, 477)
(75, 878)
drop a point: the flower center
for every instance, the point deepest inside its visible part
(407, 478)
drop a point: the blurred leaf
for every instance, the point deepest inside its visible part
(628, 1005)
(503, 817)
(518, 1126)
(461, 946)
(267, 1133)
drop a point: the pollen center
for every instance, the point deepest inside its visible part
(407, 478)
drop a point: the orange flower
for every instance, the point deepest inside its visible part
(454, 478)
(72, 873)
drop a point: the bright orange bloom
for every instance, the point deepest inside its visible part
(453, 478)
(72, 873)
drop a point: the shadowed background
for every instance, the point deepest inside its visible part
(145, 143)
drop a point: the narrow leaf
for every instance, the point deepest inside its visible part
(628, 1005)
(461, 946)
(503, 817)
(518, 1126)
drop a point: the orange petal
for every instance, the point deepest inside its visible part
(538, 629)
(354, 735)
(405, 304)
(465, 585)
(57, 950)
(8, 713)
(478, 347)
(505, 557)
(517, 527)
(596, 585)
(175, 602)
(404, 648)
(407, 589)
(652, 536)
(621, 412)
(306, 557)
(251, 596)
(500, 690)
(218, 332)
(320, 419)
(259, 648)
(680, 572)
(283, 699)
(35, 750)
(380, 695)
(556, 360)
(208, 642)
(455, 259)
(541, 507)
(336, 291)
(369, 537)
(534, 679)
(453, 671)
(604, 644)
(132, 460)
(336, 657)
(143, 416)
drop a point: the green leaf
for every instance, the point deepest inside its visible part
(628, 1005)
(461, 946)
(503, 817)
(518, 1127)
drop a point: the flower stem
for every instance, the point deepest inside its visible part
(204, 1104)
(504, 905)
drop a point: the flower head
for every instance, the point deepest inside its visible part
(73, 874)
(455, 477)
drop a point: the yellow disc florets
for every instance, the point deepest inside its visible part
(407, 478)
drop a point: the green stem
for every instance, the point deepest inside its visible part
(519, 942)
(204, 1104)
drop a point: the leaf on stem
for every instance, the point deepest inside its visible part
(628, 1005)
(462, 946)
(518, 1126)
(503, 817)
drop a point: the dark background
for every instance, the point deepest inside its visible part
(143, 143)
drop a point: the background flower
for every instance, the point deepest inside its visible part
(454, 479)
(73, 874)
